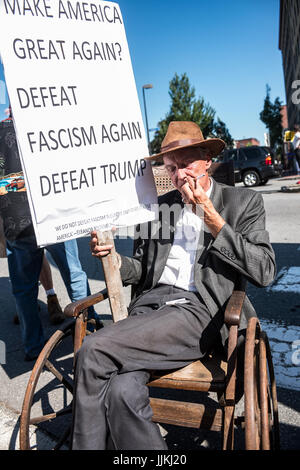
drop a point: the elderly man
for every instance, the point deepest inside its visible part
(184, 277)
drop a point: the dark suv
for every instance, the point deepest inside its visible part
(253, 165)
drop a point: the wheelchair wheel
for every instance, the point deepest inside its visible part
(48, 397)
(261, 406)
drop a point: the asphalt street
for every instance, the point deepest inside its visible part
(278, 308)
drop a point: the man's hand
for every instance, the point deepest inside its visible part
(194, 194)
(99, 250)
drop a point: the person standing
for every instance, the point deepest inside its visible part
(296, 146)
(25, 258)
(56, 315)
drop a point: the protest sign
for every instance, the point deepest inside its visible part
(77, 116)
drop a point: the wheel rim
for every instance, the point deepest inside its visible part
(251, 425)
(44, 362)
(273, 402)
(264, 395)
(261, 407)
(250, 179)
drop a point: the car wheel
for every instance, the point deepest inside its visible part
(251, 178)
(264, 181)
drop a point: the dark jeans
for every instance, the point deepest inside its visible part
(111, 400)
(25, 263)
(297, 152)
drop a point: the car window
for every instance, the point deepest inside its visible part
(268, 151)
(231, 155)
(252, 153)
(219, 158)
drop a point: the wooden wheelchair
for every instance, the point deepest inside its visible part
(214, 373)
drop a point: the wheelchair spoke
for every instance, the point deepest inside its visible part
(50, 416)
(37, 395)
(65, 381)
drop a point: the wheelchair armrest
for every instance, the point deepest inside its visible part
(74, 308)
(233, 310)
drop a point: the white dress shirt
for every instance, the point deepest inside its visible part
(179, 269)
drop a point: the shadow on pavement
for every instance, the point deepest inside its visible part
(177, 438)
(10, 333)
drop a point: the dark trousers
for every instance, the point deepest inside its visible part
(111, 407)
(297, 152)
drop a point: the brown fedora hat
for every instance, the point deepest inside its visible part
(184, 134)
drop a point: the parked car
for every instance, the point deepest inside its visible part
(253, 165)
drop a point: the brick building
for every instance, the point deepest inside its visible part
(284, 117)
(246, 142)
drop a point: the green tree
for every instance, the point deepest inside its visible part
(271, 117)
(184, 107)
(220, 130)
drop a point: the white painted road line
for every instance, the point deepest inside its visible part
(287, 280)
(285, 347)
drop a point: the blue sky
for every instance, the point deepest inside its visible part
(228, 49)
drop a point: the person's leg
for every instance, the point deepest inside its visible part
(298, 160)
(75, 279)
(127, 401)
(166, 338)
(24, 263)
(46, 275)
(56, 315)
(295, 164)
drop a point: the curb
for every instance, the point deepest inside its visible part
(292, 188)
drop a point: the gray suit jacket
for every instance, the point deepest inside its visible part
(242, 247)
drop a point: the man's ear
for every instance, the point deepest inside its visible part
(208, 163)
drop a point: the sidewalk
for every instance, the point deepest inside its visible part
(292, 183)
(275, 184)
(9, 432)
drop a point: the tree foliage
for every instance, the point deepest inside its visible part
(220, 130)
(271, 117)
(186, 107)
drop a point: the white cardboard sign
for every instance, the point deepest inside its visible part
(77, 116)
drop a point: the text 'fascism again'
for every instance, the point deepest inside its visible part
(55, 139)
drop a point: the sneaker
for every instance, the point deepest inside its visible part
(94, 324)
(55, 312)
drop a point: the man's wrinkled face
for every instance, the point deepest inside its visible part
(191, 162)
